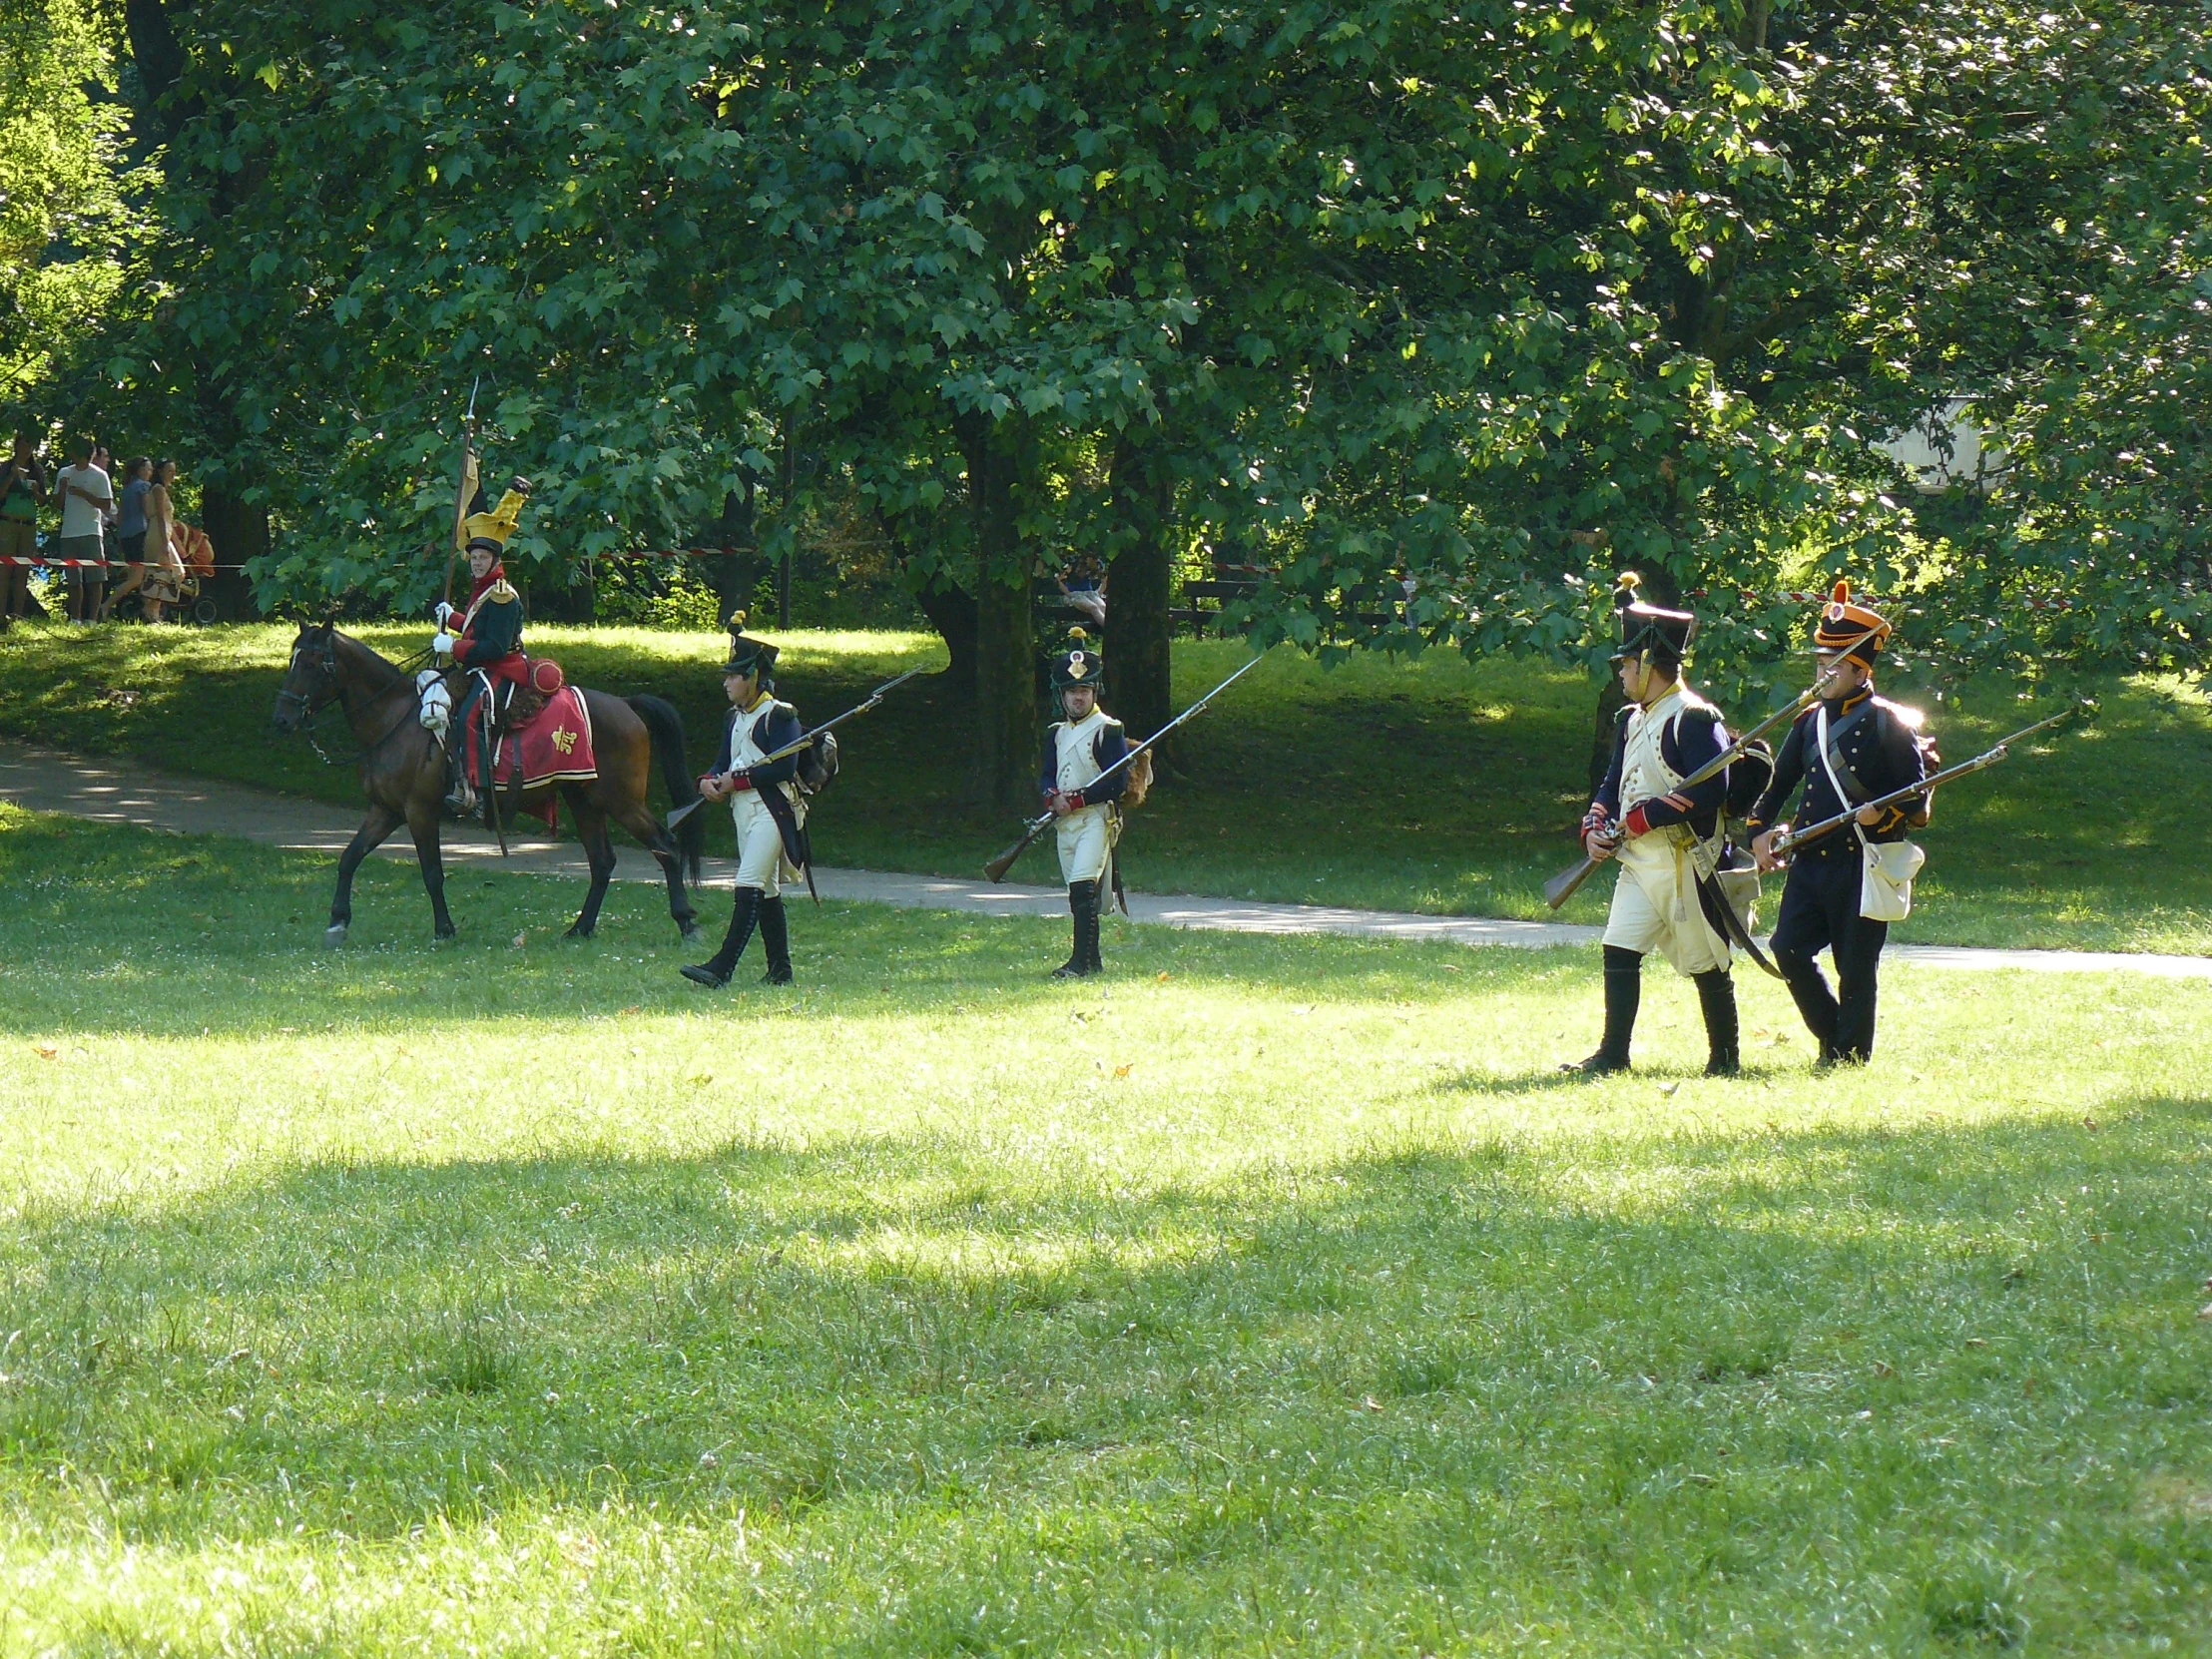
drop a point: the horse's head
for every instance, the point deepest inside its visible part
(312, 680)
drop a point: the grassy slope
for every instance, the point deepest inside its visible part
(1423, 785)
(529, 1301)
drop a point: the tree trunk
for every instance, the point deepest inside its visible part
(1137, 627)
(952, 612)
(1006, 722)
(238, 530)
(736, 573)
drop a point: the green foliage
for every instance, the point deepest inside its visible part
(64, 178)
(928, 1307)
(1487, 300)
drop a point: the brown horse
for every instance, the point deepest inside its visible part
(403, 773)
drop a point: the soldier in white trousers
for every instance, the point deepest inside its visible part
(1668, 839)
(766, 807)
(1078, 750)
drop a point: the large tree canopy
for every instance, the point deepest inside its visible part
(1438, 313)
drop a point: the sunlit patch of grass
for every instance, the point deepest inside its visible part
(535, 1301)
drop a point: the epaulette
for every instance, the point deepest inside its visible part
(502, 591)
(1912, 719)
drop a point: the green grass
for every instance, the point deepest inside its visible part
(1428, 784)
(1270, 1295)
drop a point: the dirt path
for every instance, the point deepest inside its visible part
(123, 793)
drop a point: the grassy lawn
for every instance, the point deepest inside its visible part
(1428, 784)
(1270, 1295)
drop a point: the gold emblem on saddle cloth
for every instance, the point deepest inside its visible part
(563, 740)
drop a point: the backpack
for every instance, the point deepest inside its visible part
(1139, 784)
(818, 763)
(1748, 777)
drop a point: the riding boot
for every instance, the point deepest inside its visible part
(1624, 990)
(715, 972)
(776, 939)
(1716, 994)
(460, 798)
(1089, 928)
(1083, 907)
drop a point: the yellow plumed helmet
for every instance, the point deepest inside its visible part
(493, 529)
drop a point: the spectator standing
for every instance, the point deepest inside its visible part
(87, 496)
(130, 529)
(22, 491)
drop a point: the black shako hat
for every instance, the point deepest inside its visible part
(748, 655)
(1648, 630)
(1078, 665)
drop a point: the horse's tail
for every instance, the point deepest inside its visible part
(667, 729)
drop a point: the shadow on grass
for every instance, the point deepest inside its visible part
(369, 1348)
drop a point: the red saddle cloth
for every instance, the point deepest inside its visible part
(555, 748)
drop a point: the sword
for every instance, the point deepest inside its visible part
(1562, 887)
(796, 743)
(996, 869)
(1788, 840)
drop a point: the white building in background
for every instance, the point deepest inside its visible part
(1968, 462)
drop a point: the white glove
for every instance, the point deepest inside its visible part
(442, 644)
(443, 612)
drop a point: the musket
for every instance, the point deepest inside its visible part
(1788, 840)
(464, 489)
(996, 869)
(1561, 887)
(796, 743)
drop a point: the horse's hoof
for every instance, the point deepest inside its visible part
(577, 931)
(445, 935)
(334, 934)
(691, 935)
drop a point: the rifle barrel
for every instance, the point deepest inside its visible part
(996, 869)
(1989, 757)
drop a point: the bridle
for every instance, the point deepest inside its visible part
(323, 662)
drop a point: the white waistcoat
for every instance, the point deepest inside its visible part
(1075, 745)
(746, 731)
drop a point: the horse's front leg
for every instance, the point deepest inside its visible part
(379, 823)
(591, 830)
(423, 825)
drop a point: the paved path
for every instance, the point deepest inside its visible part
(124, 792)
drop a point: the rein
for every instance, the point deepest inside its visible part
(311, 714)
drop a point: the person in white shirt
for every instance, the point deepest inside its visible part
(87, 499)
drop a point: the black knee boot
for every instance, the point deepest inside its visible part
(1716, 994)
(776, 939)
(1814, 1003)
(1083, 907)
(1624, 990)
(1100, 904)
(716, 970)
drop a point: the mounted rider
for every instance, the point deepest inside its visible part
(484, 637)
